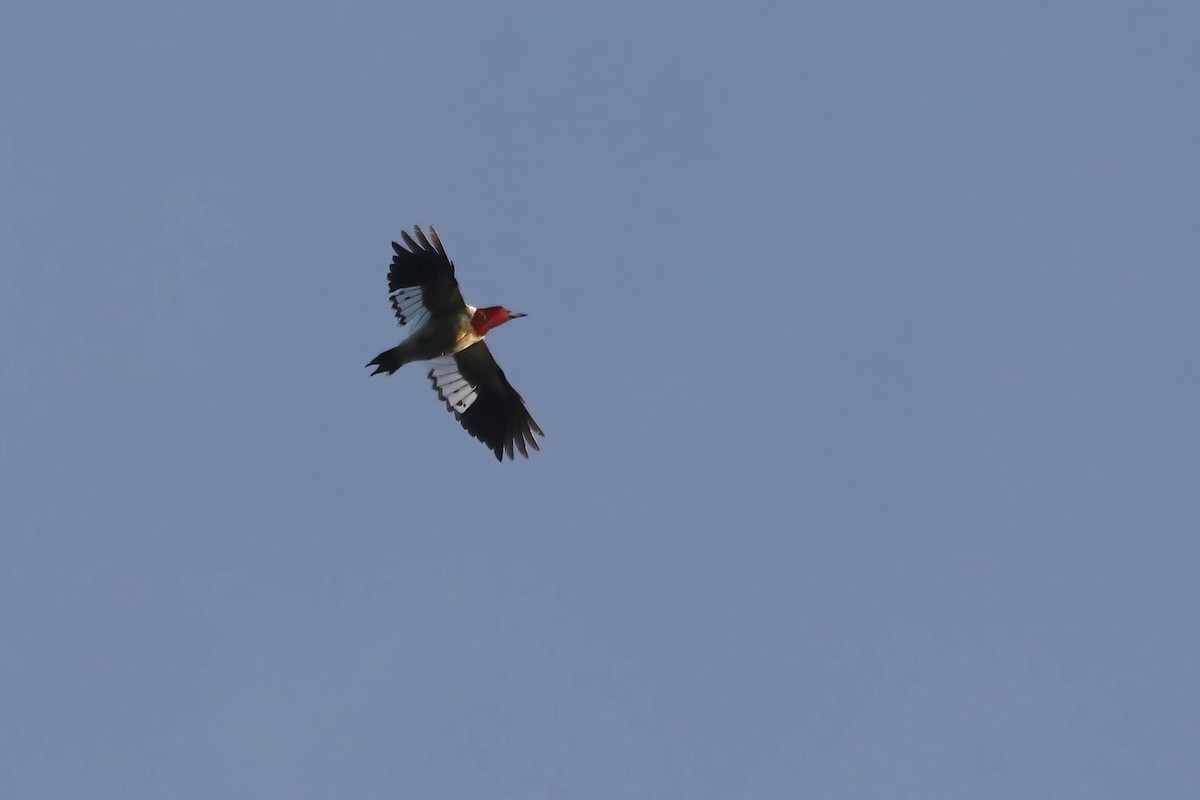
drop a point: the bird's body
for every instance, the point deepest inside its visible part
(449, 333)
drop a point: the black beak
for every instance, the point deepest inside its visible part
(514, 316)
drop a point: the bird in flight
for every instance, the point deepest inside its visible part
(449, 334)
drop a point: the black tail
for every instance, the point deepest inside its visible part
(388, 361)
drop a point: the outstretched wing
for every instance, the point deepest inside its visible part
(475, 390)
(421, 282)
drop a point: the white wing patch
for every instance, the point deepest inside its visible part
(409, 304)
(456, 391)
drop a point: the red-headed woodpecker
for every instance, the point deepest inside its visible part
(449, 333)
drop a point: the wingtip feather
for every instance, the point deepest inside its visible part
(421, 237)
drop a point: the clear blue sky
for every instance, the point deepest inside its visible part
(864, 336)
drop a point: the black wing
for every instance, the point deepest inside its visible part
(483, 401)
(421, 282)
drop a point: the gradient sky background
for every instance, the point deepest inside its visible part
(864, 335)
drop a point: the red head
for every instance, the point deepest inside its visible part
(491, 317)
